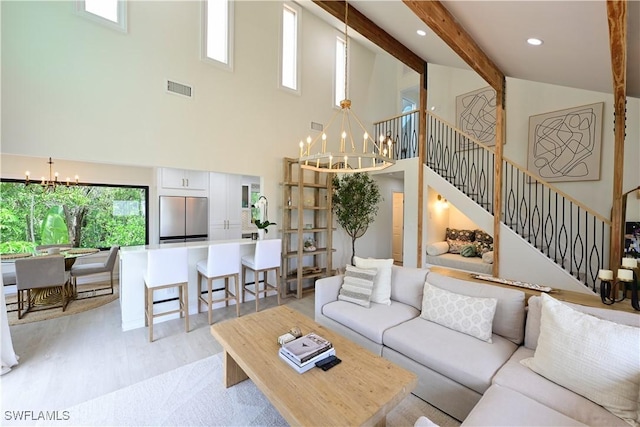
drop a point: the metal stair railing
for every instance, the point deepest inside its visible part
(565, 230)
(403, 131)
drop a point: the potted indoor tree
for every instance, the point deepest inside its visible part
(355, 203)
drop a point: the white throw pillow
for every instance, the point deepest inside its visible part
(469, 315)
(357, 285)
(382, 283)
(437, 248)
(487, 257)
(592, 357)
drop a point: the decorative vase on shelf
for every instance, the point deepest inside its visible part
(260, 234)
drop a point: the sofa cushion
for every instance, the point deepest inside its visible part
(457, 356)
(382, 283)
(369, 322)
(523, 380)
(595, 358)
(534, 307)
(501, 406)
(357, 285)
(510, 312)
(407, 284)
(470, 315)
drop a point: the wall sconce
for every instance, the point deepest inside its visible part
(627, 277)
(442, 202)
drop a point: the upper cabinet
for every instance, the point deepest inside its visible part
(183, 179)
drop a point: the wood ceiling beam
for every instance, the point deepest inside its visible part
(617, 17)
(445, 26)
(373, 33)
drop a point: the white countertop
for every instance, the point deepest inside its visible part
(125, 250)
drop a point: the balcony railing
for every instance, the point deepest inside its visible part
(403, 131)
(566, 231)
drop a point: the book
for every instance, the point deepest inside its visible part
(306, 347)
(311, 363)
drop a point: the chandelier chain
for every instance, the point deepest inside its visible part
(346, 48)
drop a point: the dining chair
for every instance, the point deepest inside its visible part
(266, 257)
(78, 270)
(166, 268)
(223, 262)
(37, 273)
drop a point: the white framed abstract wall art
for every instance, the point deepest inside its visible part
(476, 115)
(566, 145)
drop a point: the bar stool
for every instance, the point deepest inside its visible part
(223, 262)
(265, 258)
(166, 268)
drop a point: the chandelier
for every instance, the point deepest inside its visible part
(362, 154)
(53, 180)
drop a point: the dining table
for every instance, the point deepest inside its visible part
(51, 296)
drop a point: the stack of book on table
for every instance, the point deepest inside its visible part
(303, 353)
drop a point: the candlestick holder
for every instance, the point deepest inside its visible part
(627, 277)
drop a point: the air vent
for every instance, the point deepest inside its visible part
(179, 89)
(317, 126)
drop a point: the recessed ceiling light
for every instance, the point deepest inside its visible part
(421, 33)
(534, 42)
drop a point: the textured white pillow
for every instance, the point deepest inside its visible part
(469, 315)
(595, 358)
(382, 283)
(487, 257)
(437, 248)
(357, 285)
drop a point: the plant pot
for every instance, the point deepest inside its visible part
(261, 234)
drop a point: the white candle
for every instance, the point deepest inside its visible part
(364, 143)
(301, 145)
(629, 262)
(625, 275)
(605, 275)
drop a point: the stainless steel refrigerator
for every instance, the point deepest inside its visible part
(183, 219)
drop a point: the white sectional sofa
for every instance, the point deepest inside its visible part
(479, 382)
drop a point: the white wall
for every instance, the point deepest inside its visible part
(75, 90)
(526, 98)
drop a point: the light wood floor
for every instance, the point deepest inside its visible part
(72, 359)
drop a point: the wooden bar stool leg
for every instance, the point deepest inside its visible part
(237, 283)
(256, 279)
(150, 308)
(244, 282)
(210, 299)
(199, 294)
(186, 306)
(278, 283)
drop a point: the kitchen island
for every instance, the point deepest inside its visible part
(133, 265)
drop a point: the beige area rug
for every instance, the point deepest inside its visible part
(86, 300)
(194, 395)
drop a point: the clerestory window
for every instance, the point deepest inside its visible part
(217, 32)
(112, 13)
(289, 46)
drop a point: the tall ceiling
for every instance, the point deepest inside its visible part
(575, 50)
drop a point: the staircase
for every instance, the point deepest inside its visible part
(568, 233)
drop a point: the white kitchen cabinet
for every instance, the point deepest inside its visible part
(225, 206)
(184, 179)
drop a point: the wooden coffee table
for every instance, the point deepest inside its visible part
(359, 391)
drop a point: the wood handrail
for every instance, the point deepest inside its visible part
(395, 117)
(529, 174)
